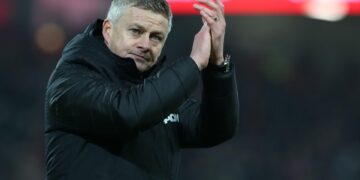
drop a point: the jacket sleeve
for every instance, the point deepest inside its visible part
(215, 119)
(79, 100)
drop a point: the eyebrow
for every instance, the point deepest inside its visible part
(143, 28)
(137, 25)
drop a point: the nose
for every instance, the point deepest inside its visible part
(144, 43)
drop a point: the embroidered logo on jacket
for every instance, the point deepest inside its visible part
(172, 118)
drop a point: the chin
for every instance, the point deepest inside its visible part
(142, 68)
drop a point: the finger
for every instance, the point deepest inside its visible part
(209, 3)
(213, 5)
(209, 20)
(220, 3)
(211, 13)
(199, 8)
(215, 13)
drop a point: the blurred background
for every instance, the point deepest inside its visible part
(297, 63)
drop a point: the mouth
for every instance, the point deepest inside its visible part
(140, 58)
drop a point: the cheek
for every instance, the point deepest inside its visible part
(157, 51)
(120, 44)
(121, 48)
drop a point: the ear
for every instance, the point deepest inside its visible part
(106, 30)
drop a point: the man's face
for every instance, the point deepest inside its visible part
(138, 34)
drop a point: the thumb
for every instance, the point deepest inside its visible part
(203, 20)
(205, 28)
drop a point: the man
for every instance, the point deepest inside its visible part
(113, 111)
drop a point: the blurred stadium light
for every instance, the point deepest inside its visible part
(330, 10)
(6, 11)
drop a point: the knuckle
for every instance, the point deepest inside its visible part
(211, 22)
(218, 36)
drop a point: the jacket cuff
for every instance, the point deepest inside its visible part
(217, 83)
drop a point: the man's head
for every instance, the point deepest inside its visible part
(137, 29)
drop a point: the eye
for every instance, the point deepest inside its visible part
(135, 31)
(157, 38)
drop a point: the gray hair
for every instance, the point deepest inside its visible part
(117, 8)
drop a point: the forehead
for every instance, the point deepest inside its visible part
(145, 18)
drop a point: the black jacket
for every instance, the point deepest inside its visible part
(105, 120)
